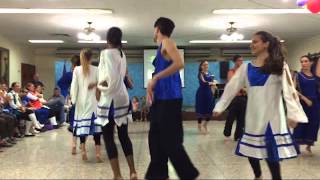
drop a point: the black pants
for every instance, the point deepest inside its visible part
(108, 136)
(274, 167)
(96, 138)
(23, 115)
(166, 142)
(237, 110)
(136, 115)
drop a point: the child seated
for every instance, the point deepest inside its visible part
(135, 109)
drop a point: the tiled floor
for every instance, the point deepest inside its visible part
(48, 156)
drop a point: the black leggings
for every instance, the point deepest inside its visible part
(96, 138)
(274, 167)
(108, 136)
(237, 111)
(200, 120)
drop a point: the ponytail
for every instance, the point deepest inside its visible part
(85, 58)
(274, 63)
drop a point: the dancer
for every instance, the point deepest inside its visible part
(113, 107)
(164, 92)
(268, 80)
(237, 108)
(64, 83)
(85, 122)
(205, 97)
(306, 83)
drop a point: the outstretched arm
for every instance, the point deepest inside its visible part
(236, 83)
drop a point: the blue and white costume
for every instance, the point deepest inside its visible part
(266, 132)
(114, 98)
(85, 122)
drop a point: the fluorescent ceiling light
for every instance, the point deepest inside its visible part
(98, 42)
(218, 41)
(46, 41)
(221, 42)
(53, 11)
(261, 11)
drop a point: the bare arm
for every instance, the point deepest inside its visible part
(173, 53)
(230, 74)
(302, 97)
(318, 68)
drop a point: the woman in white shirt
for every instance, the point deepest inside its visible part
(113, 107)
(269, 88)
(84, 98)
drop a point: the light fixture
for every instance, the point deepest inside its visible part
(47, 41)
(261, 11)
(98, 42)
(222, 42)
(53, 11)
(232, 34)
(89, 34)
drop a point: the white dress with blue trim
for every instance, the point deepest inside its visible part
(266, 132)
(112, 69)
(85, 121)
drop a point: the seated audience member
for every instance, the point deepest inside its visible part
(3, 94)
(144, 109)
(56, 103)
(21, 112)
(136, 114)
(7, 122)
(7, 128)
(36, 101)
(36, 81)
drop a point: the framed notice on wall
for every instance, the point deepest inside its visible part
(149, 56)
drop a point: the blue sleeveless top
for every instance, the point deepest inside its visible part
(169, 87)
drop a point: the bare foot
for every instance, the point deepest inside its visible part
(227, 139)
(133, 176)
(308, 149)
(199, 128)
(118, 178)
(99, 159)
(74, 151)
(84, 157)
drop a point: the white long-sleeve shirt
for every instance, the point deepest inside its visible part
(266, 119)
(83, 98)
(112, 69)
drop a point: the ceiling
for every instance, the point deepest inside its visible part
(193, 19)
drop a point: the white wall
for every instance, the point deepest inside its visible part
(18, 54)
(44, 61)
(300, 48)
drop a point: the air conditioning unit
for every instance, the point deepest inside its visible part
(231, 52)
(70, 52)
(134, 53)
(191, 53)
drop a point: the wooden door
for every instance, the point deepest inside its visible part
(27, 72)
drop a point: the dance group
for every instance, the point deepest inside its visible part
(261, 95)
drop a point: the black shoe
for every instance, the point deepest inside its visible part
(70, 129)
(56, 126)
(30, 135)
